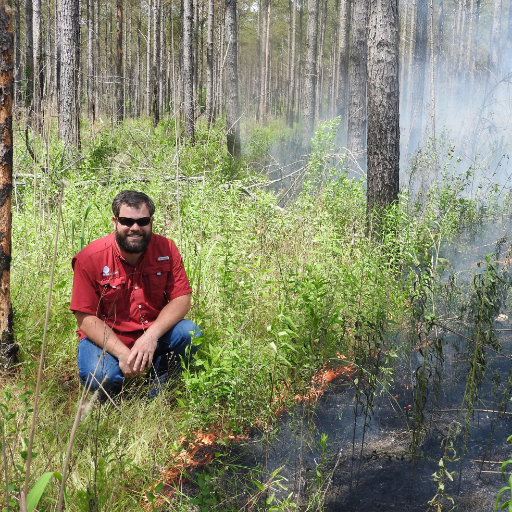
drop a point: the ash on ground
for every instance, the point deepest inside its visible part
(370, 463)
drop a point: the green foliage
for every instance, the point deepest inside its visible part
(278, 293)
(508, 502)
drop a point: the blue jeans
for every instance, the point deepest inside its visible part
(169, 348)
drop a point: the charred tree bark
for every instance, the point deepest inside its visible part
(69, 115)
(383, 97)
(209, 64)
(8, 348)
(119, 64)
(310, 72)
(232, 103)
(357, 84)
(188, 68)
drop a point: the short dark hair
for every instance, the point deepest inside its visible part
(133, 199)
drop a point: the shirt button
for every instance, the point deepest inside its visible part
(146, 321)
(136, 287)
(140, 306)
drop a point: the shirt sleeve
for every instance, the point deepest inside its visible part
(178, 285)
(85, 296)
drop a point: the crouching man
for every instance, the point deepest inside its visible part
(130, 297)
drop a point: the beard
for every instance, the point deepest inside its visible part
(130, 246)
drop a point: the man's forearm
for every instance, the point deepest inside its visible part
(170, 315)
(142, 352)
(101, 334)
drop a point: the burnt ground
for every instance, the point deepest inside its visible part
(379, 472)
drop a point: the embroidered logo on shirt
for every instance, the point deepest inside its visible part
(106, 272)
(163, 258)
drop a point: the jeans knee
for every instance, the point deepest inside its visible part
(188, 329)
(110, 380)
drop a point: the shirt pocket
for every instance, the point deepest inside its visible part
(155, 282)
(114, 298)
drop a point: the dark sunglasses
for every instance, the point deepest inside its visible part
(128, 222)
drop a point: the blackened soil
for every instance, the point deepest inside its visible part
(371, 463)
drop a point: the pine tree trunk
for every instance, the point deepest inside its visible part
(161, 60)
(383, 97)
(343, 52)
(440, 38)
(118, 114)
(91, 96)
(69, 115)
(209, 64)
(8, 348)
(419, 68)
(264, 61)
(300, 76)
(138, 74)
(56, 88)
(232, 104)
(98, 88)
(48, 56)
(148, 59)
(310, 71)
(130, 70)
(509, 29)
(291, 91)
(195, 50)
(494, 59)
(37, 74)
(320, 61)
(357, 84)
(29, 53)
(407, 89)
(17, 53)
(188, 68)
(461, 39)
(156, 62)
(432, 75)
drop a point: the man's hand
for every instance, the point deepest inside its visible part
(141, 355)
(127, 369)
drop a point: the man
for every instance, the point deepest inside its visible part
(130, 297)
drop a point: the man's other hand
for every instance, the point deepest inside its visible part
(141, 355)
(127, 369)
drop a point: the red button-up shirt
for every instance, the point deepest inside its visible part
(128, 298)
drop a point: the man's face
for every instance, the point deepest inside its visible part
(134, 239)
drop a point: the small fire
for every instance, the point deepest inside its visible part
(208, 441)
